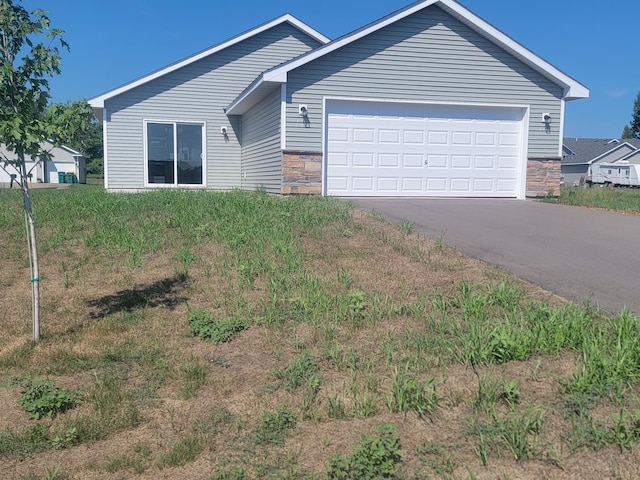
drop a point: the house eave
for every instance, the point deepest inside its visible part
(98, 101)
(252, 95)
(572, 89)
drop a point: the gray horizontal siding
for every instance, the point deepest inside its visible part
(197, 92)
(261, 153)
(616, 154)
(430, 57)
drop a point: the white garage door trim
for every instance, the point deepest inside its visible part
(419, 149)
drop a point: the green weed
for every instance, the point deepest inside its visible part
(302, 370)
(274, 426)
(41, 398)
(407, 394)
(203, 325)
(374, 457)
(406, 227)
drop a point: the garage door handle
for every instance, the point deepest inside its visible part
(426, 163)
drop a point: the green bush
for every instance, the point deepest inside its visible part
(375, 457)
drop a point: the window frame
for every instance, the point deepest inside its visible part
(174, 124)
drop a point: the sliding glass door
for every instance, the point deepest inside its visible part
(174, 153)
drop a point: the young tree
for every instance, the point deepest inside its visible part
(76, 126)
(29, 55)
(633, 129)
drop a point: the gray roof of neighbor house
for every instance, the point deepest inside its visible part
(584, 150)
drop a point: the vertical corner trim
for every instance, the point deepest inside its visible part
(283, 116)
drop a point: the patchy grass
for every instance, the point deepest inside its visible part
(239, 335)
(620, 199)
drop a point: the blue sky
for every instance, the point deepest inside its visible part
(115, 41)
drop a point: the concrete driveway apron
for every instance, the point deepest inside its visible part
(581, 254)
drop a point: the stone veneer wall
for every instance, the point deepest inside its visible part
(543, 177)
(301, 172)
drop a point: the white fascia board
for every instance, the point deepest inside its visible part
(572, 88)
(241, 104)
(73, 152)
(98, 102)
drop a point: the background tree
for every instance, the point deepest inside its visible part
(633, 129)
(76, 126)
(627, 132)
(29, 55)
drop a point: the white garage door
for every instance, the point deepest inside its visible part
(378, 149)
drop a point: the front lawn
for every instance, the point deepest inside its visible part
(202, 335)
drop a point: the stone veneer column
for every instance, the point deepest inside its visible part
(301, 172)
(543, 177)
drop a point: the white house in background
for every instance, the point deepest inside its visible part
(64, 166)
(430, 100)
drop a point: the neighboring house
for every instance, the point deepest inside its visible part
(64, 164)
(428, 101)
(579, 154)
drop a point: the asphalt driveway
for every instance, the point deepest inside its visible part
(578, 253)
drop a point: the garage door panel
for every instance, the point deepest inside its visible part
(438, 137)
(338, 184)
(410, 150)
(390, 160)
(485, 162)
(363, 135)
(412, 161)
(363, 184)
(460, 185)
(505, 185)
(338, 159)
(461, 138)
(389, 184)
(461, 161)
(509, 140)
(483, 185)
(390, 136)
(508, 163)
(363, 159)
(339, 135)
(414, 137)
(412, 184)
(485, 139)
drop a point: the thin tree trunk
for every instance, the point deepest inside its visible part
(33, 251)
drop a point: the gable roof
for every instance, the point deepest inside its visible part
(278, 75)
(98, 102)
(580, 151)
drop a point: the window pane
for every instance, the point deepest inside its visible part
(160, 152)
(189, 154)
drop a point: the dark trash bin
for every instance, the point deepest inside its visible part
(61, 177)
(70, 178)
